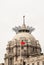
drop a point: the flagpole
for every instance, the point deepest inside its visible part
(20, 49)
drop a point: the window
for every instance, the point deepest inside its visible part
(42, 62)
(32, 63)
(23, 30)
(33, 49)
(2, 63)
(10, 61)
(37, 63)
(19, 64)
(27, 64)
(24, 63)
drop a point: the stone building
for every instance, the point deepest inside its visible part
(23, 49)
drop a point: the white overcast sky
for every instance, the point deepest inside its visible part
(11, 15)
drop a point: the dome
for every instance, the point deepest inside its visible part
(24, 34)
(23, 45)
(35, 47)
(31, 46)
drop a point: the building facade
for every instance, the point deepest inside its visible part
(24, 49)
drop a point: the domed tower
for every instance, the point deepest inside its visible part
(22, 46)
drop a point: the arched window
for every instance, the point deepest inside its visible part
(42, 62)
(10, 61)
(38, 63)
(32, 63)
(24, 63)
